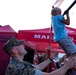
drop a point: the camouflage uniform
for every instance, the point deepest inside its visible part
(16, 67)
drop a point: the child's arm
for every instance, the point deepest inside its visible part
(67, 20)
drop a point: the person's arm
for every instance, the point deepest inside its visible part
(45, 56)
(67, 20)
(43, 65)
(70, 63)
(60, 71)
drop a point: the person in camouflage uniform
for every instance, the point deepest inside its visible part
(17, 66)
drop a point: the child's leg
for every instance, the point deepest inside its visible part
(67, 45)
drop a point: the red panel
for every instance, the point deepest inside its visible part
(41, 38)
(6, 32)
(4, 59)
(43, 35)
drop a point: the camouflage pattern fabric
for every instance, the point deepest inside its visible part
(11, 43)
(16, 67)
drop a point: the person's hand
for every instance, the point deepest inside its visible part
(67, 13)
(74, 55)
(64, 57)
(45, 55)
(48, 48)
(70, 62)
(53, 55)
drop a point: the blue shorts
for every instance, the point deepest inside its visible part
(38, 72)
(67, 45)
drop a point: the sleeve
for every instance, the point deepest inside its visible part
(60, 17)
(12, 71)
(20, 71)
(34, 65)
(38, 72)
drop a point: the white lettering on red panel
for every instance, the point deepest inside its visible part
(41, 36)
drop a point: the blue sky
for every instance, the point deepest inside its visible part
(31, 14)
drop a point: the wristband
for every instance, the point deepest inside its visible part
(50, 59)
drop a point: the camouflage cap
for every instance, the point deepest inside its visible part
(11, 43)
